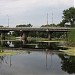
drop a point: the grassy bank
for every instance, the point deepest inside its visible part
(71, 38)
(70, 51)
(70, 43)
(13, 52)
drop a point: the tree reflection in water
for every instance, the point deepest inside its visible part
(33, 45)
(2, 59)
(68, 63)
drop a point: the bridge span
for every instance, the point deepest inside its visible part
(25, 30)
(53, 29)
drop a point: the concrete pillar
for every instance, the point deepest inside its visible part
(2, 45)
(24, 36)
(49, 35)
(49, 45)
(24, 42)
(2, 36)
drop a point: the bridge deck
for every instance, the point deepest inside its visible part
(60, 29)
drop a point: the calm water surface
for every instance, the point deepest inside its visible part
(37, 63)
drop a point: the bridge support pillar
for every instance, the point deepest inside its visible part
(49, 35)
(24, 36)
(2, 36)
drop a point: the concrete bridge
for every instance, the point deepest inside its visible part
(53, 29)
(25, 30)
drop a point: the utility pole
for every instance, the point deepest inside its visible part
(52, 19)
(47, 18)
(8, 20)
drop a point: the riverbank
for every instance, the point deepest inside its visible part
(70, 51)
(12, 52)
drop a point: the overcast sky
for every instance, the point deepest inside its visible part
(32, 11)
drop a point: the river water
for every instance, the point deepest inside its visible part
(45, 62)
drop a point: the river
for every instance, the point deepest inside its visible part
(35, 62)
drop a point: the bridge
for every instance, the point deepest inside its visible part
(53, 29)
(25, 30)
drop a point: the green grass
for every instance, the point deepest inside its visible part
(10, 38)
(71, 38)
(70, 52)
(51, 41)
(7, 53)
(37, 39)
(71, 35)
(13, 52)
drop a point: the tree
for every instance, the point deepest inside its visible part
(69, 16)
(71, 38)
(29, 25)
(49, 25)
(61, 24)
(1, 26)
(67, 63)
(24, 25)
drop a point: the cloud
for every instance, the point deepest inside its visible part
(14, 7)
(17, 6)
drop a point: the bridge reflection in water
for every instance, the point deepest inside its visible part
(32, 45)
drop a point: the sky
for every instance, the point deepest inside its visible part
(32, 11)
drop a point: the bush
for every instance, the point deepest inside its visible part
(71, 37)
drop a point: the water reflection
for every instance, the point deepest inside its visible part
(4, 60)
(37, 62)
(23, 44)
(37, 45)
(68, 63)
(10, 62)
(46, 58)
(1, 59)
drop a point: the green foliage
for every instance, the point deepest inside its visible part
(61, 24)
(15, 33)
(24, 25)
(1, 26)
(68, 63)
(49, 25)
(69, 16)
(71, 37)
